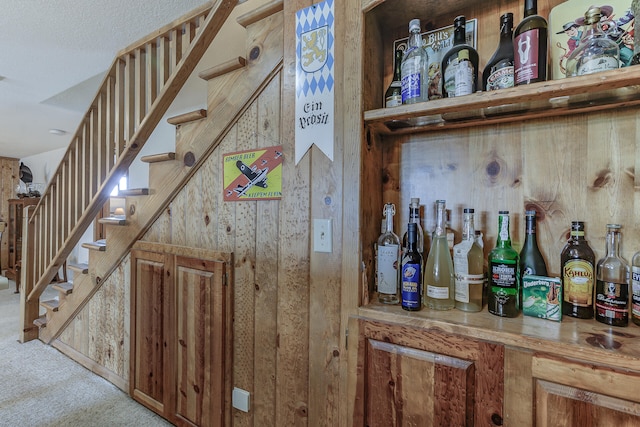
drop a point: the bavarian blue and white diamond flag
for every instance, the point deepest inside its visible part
(314, 79)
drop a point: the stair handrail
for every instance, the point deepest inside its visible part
(136, 92)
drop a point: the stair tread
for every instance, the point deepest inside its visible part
(41, 322)
(219, 70)
(99, 245)
(134, 192)
(51, 304)
(113, 220)
(80, 267)
(160, 157)
(64, 287)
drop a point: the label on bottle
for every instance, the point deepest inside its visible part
(501, 76)
(464, 78)
(411, 286)
(387, 269)
(503, 285)
(612, 300)
(526, 65)
(463, 281)
(438, 292)
(635, 288)
(597, 64)
(449, 82)
(577, 277)
(411, 82)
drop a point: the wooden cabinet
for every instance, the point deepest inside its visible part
(14, 236)
(566, 148)
(181, 333)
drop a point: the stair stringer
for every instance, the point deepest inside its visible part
(225, 109)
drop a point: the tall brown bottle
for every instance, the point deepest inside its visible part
(578, 267)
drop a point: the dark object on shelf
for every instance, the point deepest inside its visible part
(25, 174)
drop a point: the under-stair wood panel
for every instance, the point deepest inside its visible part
(9, 178)
(56, 236)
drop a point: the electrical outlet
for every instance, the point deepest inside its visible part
(240, 399)
(322, 235)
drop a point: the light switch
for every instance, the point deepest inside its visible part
(322, 235)
(240, 399)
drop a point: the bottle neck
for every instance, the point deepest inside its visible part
(440, 225)
(397, 72)
(411, 239)
(389, 211)
(506, 31)
(415, 40)
(591, 30)
(468, 228)
(530, 8)
(504, 238)
(577, 235)
(414, 214)
(530, 230)
(459, 35)
(613, 243)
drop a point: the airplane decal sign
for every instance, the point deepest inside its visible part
(253, 174)
(314, 79)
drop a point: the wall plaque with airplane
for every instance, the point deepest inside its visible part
(253, 174)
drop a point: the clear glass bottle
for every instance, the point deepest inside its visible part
(415, 78)
(411, 289)
(393, 95)
(504, 273)
(531, 260)
(388, 260)
(577, 262)
(414, 217)
(438, 272)
(464, 81)
(498, 73)
(612, 283)
(530, 39)
(635, 288)
(596, 51)
(468, 266)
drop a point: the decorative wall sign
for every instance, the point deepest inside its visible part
(253, 174)
(314, 79)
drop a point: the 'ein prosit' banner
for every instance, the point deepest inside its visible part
(314, 79)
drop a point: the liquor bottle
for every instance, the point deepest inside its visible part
(438, 272)
(596, 51)
(414, 76)
(468, 265)
(411, 272)
(577, 263)
(635, 288)
(388, 260)
(463, 80)
(612, 283)
(414, 217)
(498, 73)
(504, 273)
(530, 46)
(531, 260)
(393, 95)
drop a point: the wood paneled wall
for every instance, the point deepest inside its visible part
(9, 178)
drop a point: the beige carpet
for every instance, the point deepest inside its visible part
(39, 386)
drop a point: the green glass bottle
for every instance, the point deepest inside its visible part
(438, 272)
(504, 273)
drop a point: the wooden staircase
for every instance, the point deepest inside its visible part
(197, 137)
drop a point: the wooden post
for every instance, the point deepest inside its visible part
(29, 309)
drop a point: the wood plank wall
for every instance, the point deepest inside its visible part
(9, 178)
(288, 339)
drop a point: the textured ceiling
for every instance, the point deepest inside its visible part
(53, 55)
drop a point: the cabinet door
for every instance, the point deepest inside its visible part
(201, 332)
(415, 377)
(574, 394)
(150, 313)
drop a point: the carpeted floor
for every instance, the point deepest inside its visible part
(39, 386)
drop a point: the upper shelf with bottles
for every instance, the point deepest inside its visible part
(387, 21)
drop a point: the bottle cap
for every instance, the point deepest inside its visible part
(468, 210)
(614, 226)
(592, 15)
(503, 212)
(530, 213)
(414, 24)
(415, 201)
(459, 21)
